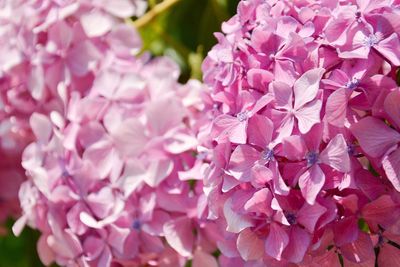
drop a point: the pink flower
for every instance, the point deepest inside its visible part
(313, 173)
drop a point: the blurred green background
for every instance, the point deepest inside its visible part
(183, 32)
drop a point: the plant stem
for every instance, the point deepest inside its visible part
(154, 12)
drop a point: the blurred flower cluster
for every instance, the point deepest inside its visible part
(49, 49)
(304, 164)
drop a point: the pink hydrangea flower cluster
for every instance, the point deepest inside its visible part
(108, 180)
(304, 133)
(49, 49)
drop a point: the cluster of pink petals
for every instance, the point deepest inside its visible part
(304, 134)
(108, 179)
(49, 49)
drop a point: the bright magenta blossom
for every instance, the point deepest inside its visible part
(303, 104)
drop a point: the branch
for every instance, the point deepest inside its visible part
(154, 12)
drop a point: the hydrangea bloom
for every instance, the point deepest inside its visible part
(108, 178)
(49, 49)
(304, 133)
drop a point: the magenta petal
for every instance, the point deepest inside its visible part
(346, 231)
(383, 211)
(389, 256)
(294, 147)
(375, 137)
(392, 107)
(298, 245)
(360, 250)
(309, 215)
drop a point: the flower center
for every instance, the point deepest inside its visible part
(370, 40)
(381, 240)
(267, 154)
(353, 84)
(291, 218)
(242, 116)
(136, 224)
(351, 149)
(312, 158)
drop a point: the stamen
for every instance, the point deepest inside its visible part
(136, 224)
(267, 154)
(242, 116)
(312, 158)
(353, 84)
(370, 40)
(291, 218)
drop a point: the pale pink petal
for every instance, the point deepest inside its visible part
(242, 160)
(311, 183)
(129, 137)
(82, 57)
(276, 241)
(106, 258)
(119, 8)
(260, 202)
(157, 171)
(261, 175)
(179, 234)
(45, 253)
(250, 247)
(96, 23)
(308, 115)
(102, 156)
(260, 130)
(259, 78)
(307, 86)
(202, 259)
(41, 127)
(160, 121)
(390, 48)
(336, 107)
(283, 94)
(235, 222)
(336, 154)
